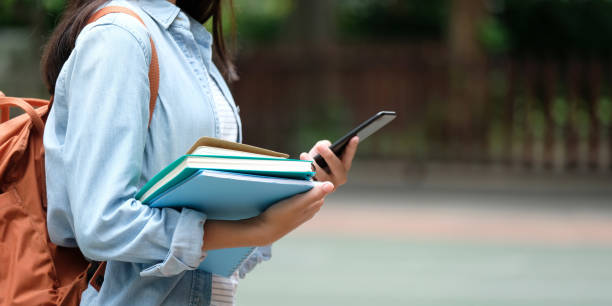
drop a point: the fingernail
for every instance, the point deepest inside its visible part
(328, 187)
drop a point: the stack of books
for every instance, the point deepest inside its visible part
(227, 181)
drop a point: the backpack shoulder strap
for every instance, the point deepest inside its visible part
(153, 66)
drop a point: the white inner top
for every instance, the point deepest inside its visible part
(224, 289)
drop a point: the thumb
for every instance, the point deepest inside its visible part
(320, 190)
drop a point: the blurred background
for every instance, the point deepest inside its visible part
(493, 185)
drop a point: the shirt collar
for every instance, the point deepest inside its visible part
(162, 11)
(200, 33)
(204, 39)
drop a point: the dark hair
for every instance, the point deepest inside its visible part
(77, 13)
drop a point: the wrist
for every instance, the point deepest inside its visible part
(221, 234)
(261, 231)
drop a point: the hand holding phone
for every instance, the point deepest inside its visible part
(362, 131)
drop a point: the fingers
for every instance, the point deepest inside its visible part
(305, 156)
(338, 168)
(309, 211)
(319, 194)
(317, 204)
(320, 174)
(349, 153)
(338, 172)
(284, 216)
(312, 210)
(325, 143)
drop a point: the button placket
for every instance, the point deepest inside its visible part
(187, 43)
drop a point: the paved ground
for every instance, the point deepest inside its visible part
(483, 239)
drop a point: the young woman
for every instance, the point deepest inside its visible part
(100, 150)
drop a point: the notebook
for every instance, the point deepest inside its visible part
(208, 150)
(187, 165)
(230, 146)
(228, 196)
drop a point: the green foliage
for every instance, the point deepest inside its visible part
(261, 21)
(495, 139)
(560, 111)
(53, 6)
(582, 121)
(6, 6)
(392, 19)
(604, 111)
(29, 12)
(493, 36)
(257, 21)
(561, 28)
(264, 21)
(537, 122)
(7, 12)
(550, 27)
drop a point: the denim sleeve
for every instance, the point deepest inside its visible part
(107, 90)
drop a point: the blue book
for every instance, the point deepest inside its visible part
(228, 196)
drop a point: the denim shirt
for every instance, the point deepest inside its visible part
(100, 152)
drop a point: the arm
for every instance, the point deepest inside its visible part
(271, 225)
(106, 97)
(274, 223)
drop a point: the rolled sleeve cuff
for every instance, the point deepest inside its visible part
(185, 249)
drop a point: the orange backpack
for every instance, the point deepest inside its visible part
(33, 270)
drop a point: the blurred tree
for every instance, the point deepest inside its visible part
(311, 23)
(468, 79)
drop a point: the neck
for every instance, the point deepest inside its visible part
(172, 1)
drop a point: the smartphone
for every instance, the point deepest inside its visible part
(363, 130)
